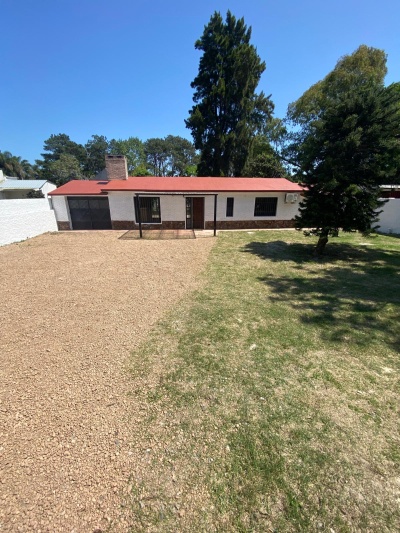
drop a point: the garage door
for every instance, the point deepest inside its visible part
(89, 213)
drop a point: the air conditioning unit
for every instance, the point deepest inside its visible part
(291, 198)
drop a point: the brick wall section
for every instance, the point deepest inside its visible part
(128, 224)
(222, 224)
(250, 224)
(393, 194)
(63, 226)
(122, 224)
(116, 167)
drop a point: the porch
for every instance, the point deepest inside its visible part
(167, 234)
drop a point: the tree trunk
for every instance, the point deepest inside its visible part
(322, 242)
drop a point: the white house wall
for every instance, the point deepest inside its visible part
(243, 207)
(173, 208)
(60, 207)
(122, 207)
(389, 219)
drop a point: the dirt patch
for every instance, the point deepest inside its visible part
(74, 306)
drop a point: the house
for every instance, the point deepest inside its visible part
(15, 188)
(390, 191)
(389, 218)
(123, 202)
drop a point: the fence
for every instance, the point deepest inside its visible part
(22, 219)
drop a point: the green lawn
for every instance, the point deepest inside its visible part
(270, 396)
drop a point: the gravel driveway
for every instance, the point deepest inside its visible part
(73, 307)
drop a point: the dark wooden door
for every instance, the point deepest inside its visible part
(198, 213)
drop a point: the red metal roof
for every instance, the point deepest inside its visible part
(80, 187)
(179, 184)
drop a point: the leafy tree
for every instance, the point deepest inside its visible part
(56, 146)
(344, 143)
(395, 179)
(35, 194)
(171, 156)
(364, 66)
(182, 157)
(264, 160)
(343, 157)
(227, 111)
(156, 151)
(190, 170)
(64, 169)
(133, 149)
(15, 166)
(96, 149)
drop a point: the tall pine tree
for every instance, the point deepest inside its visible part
(227, 112)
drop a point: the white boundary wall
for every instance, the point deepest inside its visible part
(389, 219)
(22, 219)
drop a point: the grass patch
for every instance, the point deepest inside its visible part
(272, 393)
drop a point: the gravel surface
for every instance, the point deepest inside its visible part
(74, 305)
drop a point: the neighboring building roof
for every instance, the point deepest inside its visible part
(21, 184)
(179, 185)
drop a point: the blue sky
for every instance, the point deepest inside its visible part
(123, 68)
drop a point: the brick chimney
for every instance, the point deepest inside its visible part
(116, 167)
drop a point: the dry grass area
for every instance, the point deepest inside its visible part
(74, 305)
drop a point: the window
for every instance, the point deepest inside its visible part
(150, 212)
(229, 207)
(265, 207)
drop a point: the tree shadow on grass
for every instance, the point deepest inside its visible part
(354, 297)
(304, 253)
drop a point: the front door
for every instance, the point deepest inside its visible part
(195, 213)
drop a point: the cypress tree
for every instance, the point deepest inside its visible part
(227, 112)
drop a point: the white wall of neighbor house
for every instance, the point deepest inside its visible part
(60, 207)
(14, 194)
(389, 219)
(243, 206)
(25, 218)
(48, 187)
